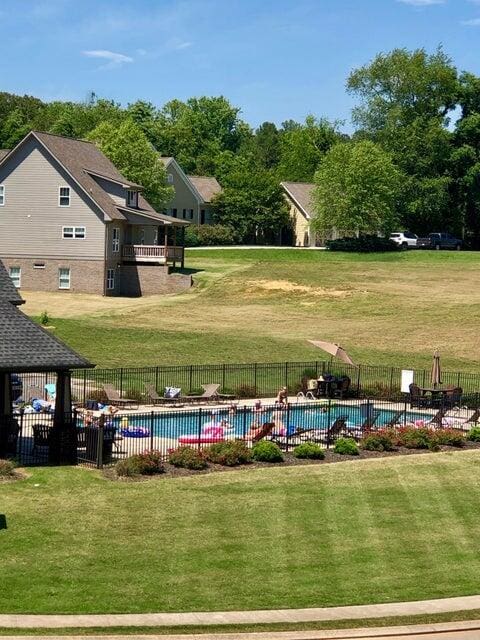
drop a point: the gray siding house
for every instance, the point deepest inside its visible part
(70, 221)
(193, 194)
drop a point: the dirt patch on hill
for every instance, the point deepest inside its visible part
(290, 287)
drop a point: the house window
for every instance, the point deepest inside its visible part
(63, 196)
(191, 214)
(174, 213)
(132, 198)
(110, 279)
(64, 278)
(115, 239)
(202, 216)
(2, 195)
(170, 178)
(76, 233)
(16, 276)
(184, 214)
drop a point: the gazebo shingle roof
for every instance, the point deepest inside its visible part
(25, 345)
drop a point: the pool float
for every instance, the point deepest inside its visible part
(209, 435)
(135, 432)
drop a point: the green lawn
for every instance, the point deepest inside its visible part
(382, 530)
(263, 305)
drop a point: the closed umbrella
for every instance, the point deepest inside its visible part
(335, 350)
(436, 370)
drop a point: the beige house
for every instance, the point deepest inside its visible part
(299, 198)
(193, 194)
(69, 221)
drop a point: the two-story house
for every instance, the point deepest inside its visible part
(70, 221)
(193, 194)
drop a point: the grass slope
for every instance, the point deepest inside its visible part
(360, 532)
(263, 305)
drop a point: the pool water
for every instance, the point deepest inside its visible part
(173, 424)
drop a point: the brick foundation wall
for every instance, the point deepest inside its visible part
(86, 276)
(145, 279)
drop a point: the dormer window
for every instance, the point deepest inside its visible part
(132, 198)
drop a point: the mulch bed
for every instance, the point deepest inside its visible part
(290, 461)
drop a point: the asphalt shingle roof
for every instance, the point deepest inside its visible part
(301, 193)
(25, 345)
(207, 186)
(8, 292)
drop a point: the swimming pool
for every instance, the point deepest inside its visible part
(173, 424)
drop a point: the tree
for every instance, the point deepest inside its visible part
(357, 187)
(196, 131)
(400, 86)
(251, 203)
(302, 146)
(133, 155)
(267, 145)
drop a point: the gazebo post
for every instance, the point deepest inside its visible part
(183, 249)
(63, 447)
(174, 247)
(6, 419)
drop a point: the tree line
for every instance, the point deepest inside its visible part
(413, 160)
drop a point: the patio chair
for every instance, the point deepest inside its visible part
(416, 397)
(41, 436)
(342, 387)
(114, 397)
(394, 420)
(453, 397)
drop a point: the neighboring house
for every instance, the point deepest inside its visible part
(193, 194)
(299, 198)
(70, 221)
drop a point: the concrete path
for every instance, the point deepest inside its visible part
(358, 612)
(442, 631)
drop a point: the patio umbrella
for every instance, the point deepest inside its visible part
(335, 350)
(436, 371)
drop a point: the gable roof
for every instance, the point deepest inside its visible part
(25, 345)
(8, 291)
(207, 186)
(301, 193)
(83, 161)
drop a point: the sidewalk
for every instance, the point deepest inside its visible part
(442, 631)
(358, 612)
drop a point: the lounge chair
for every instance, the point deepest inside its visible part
(437, 418)
(369, 422)
(394, 420)
(416, 397)
(264, 431)
(210, 392)
(155, 398)
(474, 418)
(114, 397)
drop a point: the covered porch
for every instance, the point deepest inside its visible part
(154, 241)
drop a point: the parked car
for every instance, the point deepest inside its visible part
(404, 238)
(17, 387)
(440, 241)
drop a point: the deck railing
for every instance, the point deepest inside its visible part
(151, 253)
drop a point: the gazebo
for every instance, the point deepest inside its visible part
(26, 347)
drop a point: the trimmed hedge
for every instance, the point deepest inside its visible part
(266, 451)
(188, 458)
(363, 244)
(230, 454)
(346, 447)
(209, 235)
(147, 463)
(309, 451)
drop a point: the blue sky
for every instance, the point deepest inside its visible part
(276, 59)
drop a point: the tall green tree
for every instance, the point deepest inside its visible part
(267, 145)
(251, 203)
(357, 189)
(302, 147)
(133, 155)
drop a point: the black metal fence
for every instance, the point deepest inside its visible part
(252, 380)
(102, 440)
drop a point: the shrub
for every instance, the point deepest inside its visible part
(133, 393)
(147, 463)
(97, 395)
(450, 437)
(266, 451)
(474, 434)
(363, 244)
(346, 447)
(209, 235)
(188, 458)
(418, 438)
(246, 391)
(229, 454)
(309, 450)
(44, 318)
(381, 440)
(7, 468)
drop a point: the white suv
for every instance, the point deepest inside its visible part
(405, 239)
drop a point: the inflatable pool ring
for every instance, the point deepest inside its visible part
(203, 439)
(124, 422)
(135, 432)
